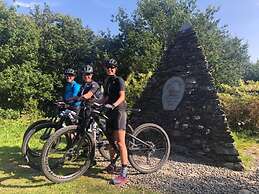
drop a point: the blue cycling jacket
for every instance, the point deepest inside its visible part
(72, 90)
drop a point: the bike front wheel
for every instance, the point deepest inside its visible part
(64, 160)
(148, 147)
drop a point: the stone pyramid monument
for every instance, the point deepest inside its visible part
(181, 98)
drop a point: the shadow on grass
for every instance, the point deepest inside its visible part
(14, 171)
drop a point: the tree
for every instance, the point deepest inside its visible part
(160, 20)
(252, 72)
(64, 42)
(19, 40)
(37, 49)
(227, 56)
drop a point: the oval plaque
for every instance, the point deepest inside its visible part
(173, 92)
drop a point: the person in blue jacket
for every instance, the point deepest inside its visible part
(72, 88)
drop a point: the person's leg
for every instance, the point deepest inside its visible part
(120, 140)
(119, 136)
(109, 134)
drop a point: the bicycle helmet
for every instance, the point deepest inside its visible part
(111, 62)
(70, 71)
(88, 70)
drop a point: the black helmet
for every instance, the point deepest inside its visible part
(111, 62)
(70, 71)
(88, 69)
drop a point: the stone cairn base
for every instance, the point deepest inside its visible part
(197, 125)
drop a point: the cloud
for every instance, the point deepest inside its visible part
(25, 5)
(31, 5)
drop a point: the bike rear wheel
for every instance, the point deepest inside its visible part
(64, 161)
(148, 147)
(34, 139)
(103, 146)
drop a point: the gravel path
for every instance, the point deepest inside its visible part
(185, 175)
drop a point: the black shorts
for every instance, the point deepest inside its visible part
(117, 120)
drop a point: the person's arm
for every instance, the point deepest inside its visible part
(120, 99)
(87, 95)
(91, 92)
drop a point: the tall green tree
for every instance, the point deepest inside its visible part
(227, 56)
(19, 38)
(64, 41)
(160, 20)
(252, 72)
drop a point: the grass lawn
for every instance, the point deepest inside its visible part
(17, 177)
(248, 148)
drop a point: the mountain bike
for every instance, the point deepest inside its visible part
(38, 132)
(148, 147)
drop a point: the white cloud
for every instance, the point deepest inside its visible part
(31, 5)
(25, 5)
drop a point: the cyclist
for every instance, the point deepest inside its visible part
(90, 91)
(72, 88)
(114, 97)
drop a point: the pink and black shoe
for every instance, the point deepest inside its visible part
(119, 180)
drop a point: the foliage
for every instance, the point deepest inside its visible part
(9, 114)
(226, 55)
(24, 87)
(35, 49)
(241, 104)
(135, 85)
(64, 42)
(19, 38)
(252, 72)
(160, 20)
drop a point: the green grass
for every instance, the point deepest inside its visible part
(16, 177)
(244, 144)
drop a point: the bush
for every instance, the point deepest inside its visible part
(24, 87)
(9, 114)
(135, 85)
(241, 105)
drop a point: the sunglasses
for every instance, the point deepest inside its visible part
(69, 75)
(87, 74)
(110, 67)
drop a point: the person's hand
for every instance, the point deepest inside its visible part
(60, 103)
(109, 106)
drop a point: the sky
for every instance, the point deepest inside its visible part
(242, 17)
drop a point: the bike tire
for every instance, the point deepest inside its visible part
(104, 148)
(32, 155)
(32, 126)
(49, 171)
(135, 157)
